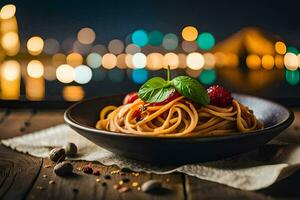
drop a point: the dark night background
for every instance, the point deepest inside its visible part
(115, 19)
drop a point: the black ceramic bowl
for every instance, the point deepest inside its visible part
(83, 116)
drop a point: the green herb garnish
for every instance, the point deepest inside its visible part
(157, 89)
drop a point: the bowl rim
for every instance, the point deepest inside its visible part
(282, 125)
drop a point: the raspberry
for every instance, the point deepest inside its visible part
(219, 96)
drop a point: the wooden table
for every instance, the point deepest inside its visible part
(26, 177)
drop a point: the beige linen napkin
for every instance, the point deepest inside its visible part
(246, 172)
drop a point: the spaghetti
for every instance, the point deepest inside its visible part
(179, 117)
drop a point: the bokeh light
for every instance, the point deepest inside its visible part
(189, 46)
(280, 47)
(100, 49)
(65, 73)
(121, 61)
(74, 59)
(51, 46)
(7, 11)
(267, 62)
(292, 77)
(253, 61)
(50, 73)
(128, 61)
(140, 38)
(292, 49)
(232, 60)
(170, 42)
(155, 38)
(209, 60)
(86, 36)
(170, 59)
(155, 61)
(73, 93)
(82, 74)
(81, 48)
(109, 61)
(94, 60)
(35, 69)
(195, 61)
(279, 61)
(35, 45)
(139, 76)
(58, 59)
(221, 59)
(116, 75)
(139, 60)
(10, 70)
(291, 61)
(132, 49)
(206, 41)
(10, 43)
(192, 73)
(208, 77)
(182, 60)
(189, 33)
(116, 46)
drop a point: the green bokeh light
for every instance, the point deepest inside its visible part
(155, 38)
(207, 77)
(170, 41)
(292, 77)
(292, 49)
(206, 41)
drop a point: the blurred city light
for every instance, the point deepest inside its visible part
(206, 41)
(170, 41)
(195, 61)
(35, 69)
(155, 38)
(65, 73)
(189, 33)
(171, 60)
(291, 61)
(140, 38)
(140, 76)
(7, 11)
(86, 36)
(94, 60)
(82, 74)
(35, 45)
(139, 60)
(109, 61)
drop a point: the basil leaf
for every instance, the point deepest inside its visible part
(155, 90)
(191, 89)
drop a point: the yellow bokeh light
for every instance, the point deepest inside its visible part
(195, 61)
(267, 62)
(280, 47)
(35, 45)
(74, 59)
(232, 60)
(182, 60)
(11, 70)
(221, 59)
(65, 73)
(128, 61)
(253, 61)
(172, 60)
(209, 60)
(109, 61)
(9, 25)
(291, 61)
(73, 93)
(121, 61)
(10, 43)
(35, 89)
(279, 61)
(8, 11)
(58, 59)
(35, 69)
(155, 61)
(86, 36)
(189, 33)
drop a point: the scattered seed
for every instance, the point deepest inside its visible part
(79, 168)
(57, 154)
(125, 180)
(123, 189)
(135, 173)
(75, 190)
(104, 184)
(107, 177)
(98, 180)
(45, 176)
(47, 166)
(115, 172)
(63, 169)
(96, 173)
(87, 169)
(40, 188)
(135, 184)
(51, 182)
(151, 185)
(116, 186)
(71, 149)
(168, 180)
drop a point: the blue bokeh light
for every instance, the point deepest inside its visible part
(139, 76)
(140, 38)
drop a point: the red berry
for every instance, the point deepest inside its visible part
(173, 95)
(219, 96)
(131, 97)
